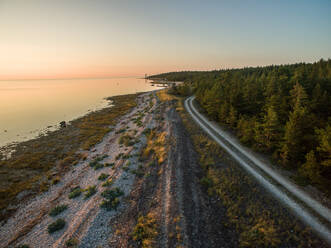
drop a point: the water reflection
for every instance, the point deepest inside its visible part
(27, 107)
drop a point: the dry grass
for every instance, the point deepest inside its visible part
(156, 146)
(164, 96)
(146, 231)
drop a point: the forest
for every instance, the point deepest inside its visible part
(280, 110)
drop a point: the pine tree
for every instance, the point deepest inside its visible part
(292, 150)
(271, 129)
(311, 168)
(324, 148)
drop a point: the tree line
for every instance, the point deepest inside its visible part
(281, 110)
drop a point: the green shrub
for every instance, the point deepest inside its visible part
(138, 172)
(109, 164)
(108, 183)
(126, 140)
(57, 210)
(91, 190)
(72, 242)
(96, 162)
(103, 177)
(75, 192)
(111, 198)
(57, 225)
(110, 205)
(98, 166)
(112, 193)
(206, 182)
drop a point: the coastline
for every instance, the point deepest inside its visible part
(35, 164)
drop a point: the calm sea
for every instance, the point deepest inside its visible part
(29, 107)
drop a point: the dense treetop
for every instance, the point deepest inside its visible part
(282, 110)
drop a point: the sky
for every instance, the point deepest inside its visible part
(99, 38)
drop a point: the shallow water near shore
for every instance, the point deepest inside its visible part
(30, 107)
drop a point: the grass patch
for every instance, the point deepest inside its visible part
(109, 164)
(146, 231)
(57, 225)
(156, 147)
(57, 210)
(75, 192)
(56, 180)
(72, 243)
(103, 177)
(108, 183)
(111, 201)
(126, 140)
(91, 190)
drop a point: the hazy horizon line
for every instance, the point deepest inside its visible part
(142, 75)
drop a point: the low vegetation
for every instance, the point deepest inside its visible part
(126, 140)
(111, 201)
(103, 177)
(91, 190)
(57, 225)
(146, 231)
(156, 146)
(75, 192)
(108, 183)
(57, 210)
(72, 243)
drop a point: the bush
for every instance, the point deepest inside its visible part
(126, 140)
(72, 242)
(145, 231)
(110, 205)
(98, 166)
(75, 192)
(91, 190)
(108, 183)
(111, 198)
(206, 182)
(112, 193)
(56, 180)
(109, 164)
(23, 246)
(57, 210)
(95, 163)
(103, 177)
(57, 225)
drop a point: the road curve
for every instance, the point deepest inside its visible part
(310, 211)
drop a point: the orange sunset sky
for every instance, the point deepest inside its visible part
(64, 39)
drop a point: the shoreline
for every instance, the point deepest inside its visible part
(8, 148)
(34, 165)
